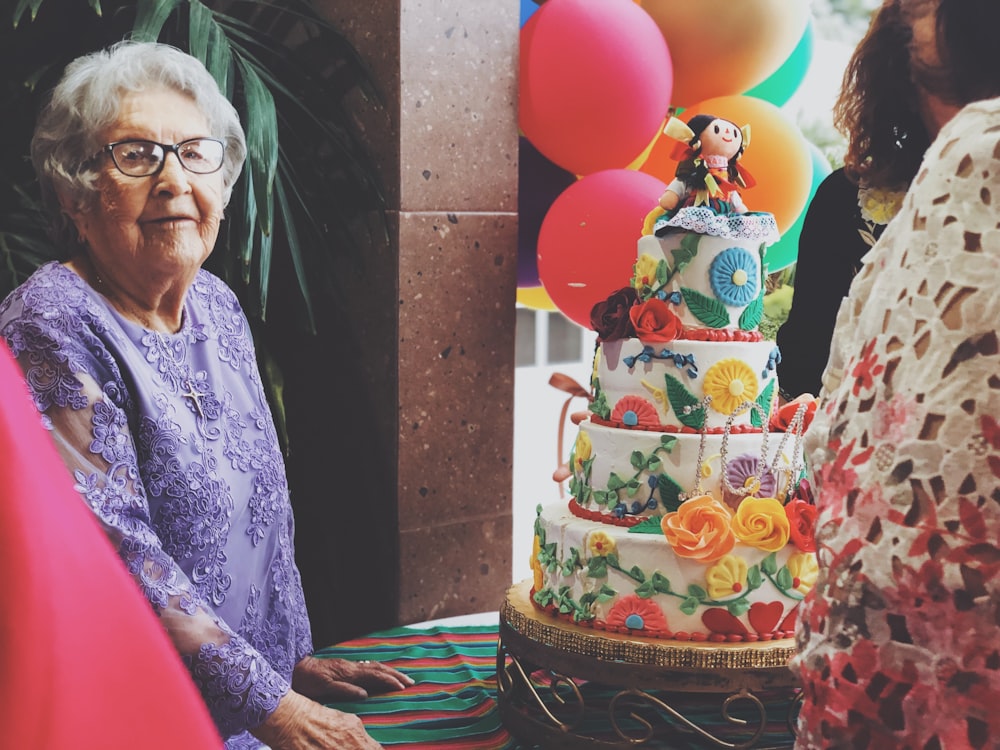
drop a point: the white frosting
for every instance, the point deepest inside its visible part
(622, 375)
(626, 455)
(695, 278)
(651, 554)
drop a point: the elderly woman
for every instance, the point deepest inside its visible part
(142, 365)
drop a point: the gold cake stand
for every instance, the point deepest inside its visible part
(544, 668)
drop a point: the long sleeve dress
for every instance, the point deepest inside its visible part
(170, 442)
(899, 641)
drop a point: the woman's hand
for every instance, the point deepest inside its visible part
(302, 724)
(340, 679)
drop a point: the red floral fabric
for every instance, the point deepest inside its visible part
(899, 641)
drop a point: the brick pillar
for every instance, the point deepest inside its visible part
(437, 303)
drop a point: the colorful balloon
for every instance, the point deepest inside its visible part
(527, 10)
(777, 157)
(536, 298)
(587, 243)
(778, 87)
(724, 47)
(595, 82)
(539, 183)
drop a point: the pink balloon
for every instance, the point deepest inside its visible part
(587, 243)
(595, 82)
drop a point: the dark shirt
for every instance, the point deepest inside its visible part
(831, 246)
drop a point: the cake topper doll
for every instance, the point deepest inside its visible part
(708, 173)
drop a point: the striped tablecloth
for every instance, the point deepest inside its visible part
(454, 701)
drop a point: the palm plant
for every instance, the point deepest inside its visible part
(288, 72)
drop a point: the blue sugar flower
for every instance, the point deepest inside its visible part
(734, 277)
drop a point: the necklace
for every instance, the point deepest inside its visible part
(179, 371)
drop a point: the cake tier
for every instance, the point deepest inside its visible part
(664, 386)
(713, 282)
(618, 580)
(624, 477)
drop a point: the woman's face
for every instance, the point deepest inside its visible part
(160, 227)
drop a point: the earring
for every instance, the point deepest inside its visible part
(899, 137)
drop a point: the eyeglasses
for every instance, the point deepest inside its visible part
(146, 158)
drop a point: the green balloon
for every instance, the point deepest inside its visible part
(783, 253)
(782, 83)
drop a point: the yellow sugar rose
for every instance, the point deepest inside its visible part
(761, 522)
(804, 569)
(726, 577)
(600, 544)
(701, 529)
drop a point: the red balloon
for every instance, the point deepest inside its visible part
(587, 243)
(595, 82)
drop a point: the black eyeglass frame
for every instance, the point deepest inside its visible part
(166, 148)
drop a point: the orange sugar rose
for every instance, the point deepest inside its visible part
(701, 529)
(761, 522)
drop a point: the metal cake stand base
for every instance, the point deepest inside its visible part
(564, 686)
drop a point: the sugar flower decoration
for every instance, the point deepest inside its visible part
(600, 544)
(655, 322)
(730, 382)
(742, 473)
(644, 276)
(734, 277)
(636, 613)
(804, 570)
(761, 522)
(633, 411)
(581, 450)
(727, 577)
(700, 529)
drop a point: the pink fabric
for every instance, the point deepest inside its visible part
(83, 660)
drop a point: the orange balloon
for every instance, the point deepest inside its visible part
(723, 47)
(535, 297)
(778, 157)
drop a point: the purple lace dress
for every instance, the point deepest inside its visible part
(171, 443)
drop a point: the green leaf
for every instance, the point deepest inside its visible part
(262, 142)
(785, 579)
(615, 482)
(689, 606)
(738, 607)
(646, 590)
(637, 460)
(649, 525)
(708, 310)
(697, 592)
(661, 583)
(667, 442)
(770, 564)
(669, 492)
(754, 578)
(150, 15)
(597, 567)
(686, 252)
(680, 397)
(752, 315)
(764, 402)
(637, 574)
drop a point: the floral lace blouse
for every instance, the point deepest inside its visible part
(899, 641)
(171, 443)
